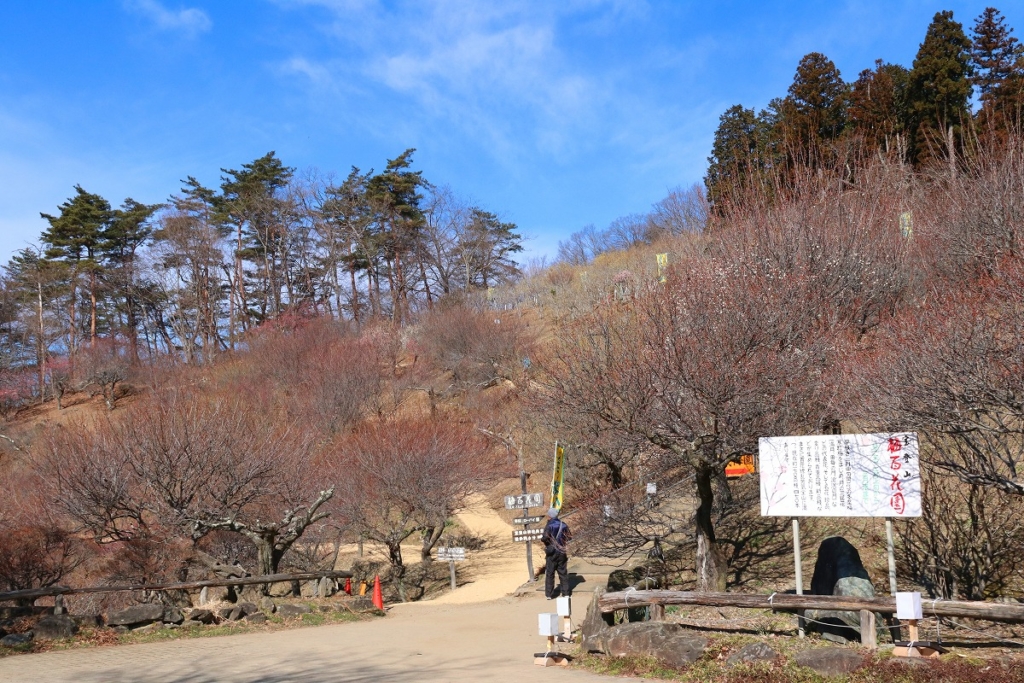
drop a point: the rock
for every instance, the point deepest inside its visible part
(248, 608)
(137, 615)
(256, 618)
(88, 620)
(327, 587)
(830, 661)
(203, 616)
(752, 654)
(191, 623)
(16, 639)
(289, 611)
(173, 615)
(309, 589)
(232, 613)
(839, 571)
(360, 603)
(55, 627)
(215, 594)
(267, 604)
(281, 589)
(837, 559)
(594, 623)
(149, 628)
(666, 642)
(3, 632)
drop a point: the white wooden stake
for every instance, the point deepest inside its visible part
(799, 572)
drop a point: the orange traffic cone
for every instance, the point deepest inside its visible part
(348, 585)
(378, 596)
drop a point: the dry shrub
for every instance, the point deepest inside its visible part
(478, 346)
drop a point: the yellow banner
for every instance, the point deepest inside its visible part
(662, 260)
(558, 478)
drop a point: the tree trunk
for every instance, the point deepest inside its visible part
(711, 569)
(431, 535)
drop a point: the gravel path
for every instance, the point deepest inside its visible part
(476, 633)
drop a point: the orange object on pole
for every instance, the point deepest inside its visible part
(348, 585)
(378, 596)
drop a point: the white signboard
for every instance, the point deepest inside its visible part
(520, 535)
(524, 500)
(845, 475)
(451, 554)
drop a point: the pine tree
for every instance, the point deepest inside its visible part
(251, 205)
(395, 197)
(126, 233)
(940, 89)
(76, 237)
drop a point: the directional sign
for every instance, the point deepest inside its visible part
(520, 535)
(524, 500)
(528, 520)
(451, 554)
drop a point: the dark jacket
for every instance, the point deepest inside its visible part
(556, 536)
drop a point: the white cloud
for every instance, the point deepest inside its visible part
(317, 73)
(496, 70)
(190, 20)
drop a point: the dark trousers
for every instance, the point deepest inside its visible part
(556, 562)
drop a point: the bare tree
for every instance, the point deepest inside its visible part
(410, 476)
(192, 462)
(697, 371)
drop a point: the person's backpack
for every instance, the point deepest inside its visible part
(562, 536)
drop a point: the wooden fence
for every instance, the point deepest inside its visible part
(789, 602)
(33, 593)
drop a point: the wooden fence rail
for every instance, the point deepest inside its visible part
(33, 593)
(789, 602)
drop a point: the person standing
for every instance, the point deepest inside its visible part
(556, 538)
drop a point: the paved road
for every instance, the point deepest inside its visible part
(487, 641)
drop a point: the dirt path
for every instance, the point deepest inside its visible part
(476, 633)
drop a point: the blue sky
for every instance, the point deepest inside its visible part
(554, 115)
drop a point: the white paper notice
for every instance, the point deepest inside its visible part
(846, 475)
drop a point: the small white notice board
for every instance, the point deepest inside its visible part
(843, 475)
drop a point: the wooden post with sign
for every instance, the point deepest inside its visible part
(524, 502)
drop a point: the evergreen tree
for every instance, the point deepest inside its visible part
(251, 205)
(734, 155)
(127, 231)
(878, 105)
(75, 237)
(814, 113)
(940, 89)
(994, 54)
(395, 198)
(485, 249)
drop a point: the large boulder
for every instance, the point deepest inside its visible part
(55, 627)
(830, 661)
(839, 571)
(173, 615)
(288, 611)
(16, 639)
(837, 559)
(595, 623)
(137, 615)
(668, 643)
